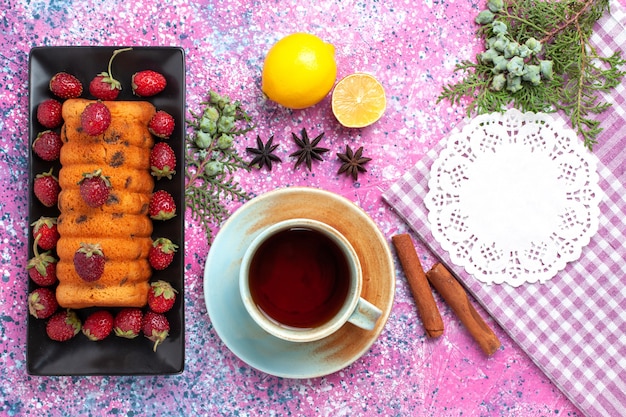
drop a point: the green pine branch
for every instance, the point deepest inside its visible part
(212, 161)
(579, 74)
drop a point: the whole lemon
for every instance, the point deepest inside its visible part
(299, 71)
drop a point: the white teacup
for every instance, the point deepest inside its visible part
(300, 280)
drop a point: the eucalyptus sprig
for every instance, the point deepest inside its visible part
(577, 73)
(212, 160)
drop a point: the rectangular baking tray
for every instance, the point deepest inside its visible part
(114, 355)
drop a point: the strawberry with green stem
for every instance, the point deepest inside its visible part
(64, 85)
(104, 86)
(98, 325)
(89, 261)
(63, 325)
(46, 188)
(148, 83)
(95, 188)
(161, 296)
(47, 145)
(45, 232)
(42, 303)
(42, 268)
(155, 327)
(161, 253)
(162, 161)
(161, 125)
(162, 206)
(127, 322)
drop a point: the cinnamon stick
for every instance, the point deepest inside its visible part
(456, 297)
(428, 311)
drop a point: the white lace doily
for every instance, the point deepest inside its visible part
(513, 197)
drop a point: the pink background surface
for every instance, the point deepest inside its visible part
(412, 50)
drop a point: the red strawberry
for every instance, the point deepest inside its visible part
(49, 113)
(162, 206)
(46, 274)
(148, 83)
(161, 125)
(162, 161)
(95, 119)
(45, 232)
(104, 86)
(94, 188)
(161, 253)
(65, 85)
(128, 323)
(46, 188)
(42, 268)
(42, 303)
(155, 327)
(161, 296)
(98, 325)
(63, 325)
(47, 145)
(89, 261)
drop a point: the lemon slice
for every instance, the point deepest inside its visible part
(358, 100)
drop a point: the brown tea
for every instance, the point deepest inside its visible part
(299, 277)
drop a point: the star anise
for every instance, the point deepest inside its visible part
(352, 162)
(308, 149)
(263, 153)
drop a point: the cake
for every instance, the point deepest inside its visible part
(121, 226)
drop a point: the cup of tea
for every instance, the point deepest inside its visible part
(300, 280)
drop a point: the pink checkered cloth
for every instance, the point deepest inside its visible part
(573, 326)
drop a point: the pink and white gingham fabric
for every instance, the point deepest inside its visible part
(573, 326)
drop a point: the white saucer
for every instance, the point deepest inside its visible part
(229, 317)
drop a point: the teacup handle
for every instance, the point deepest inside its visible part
(365, 315)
